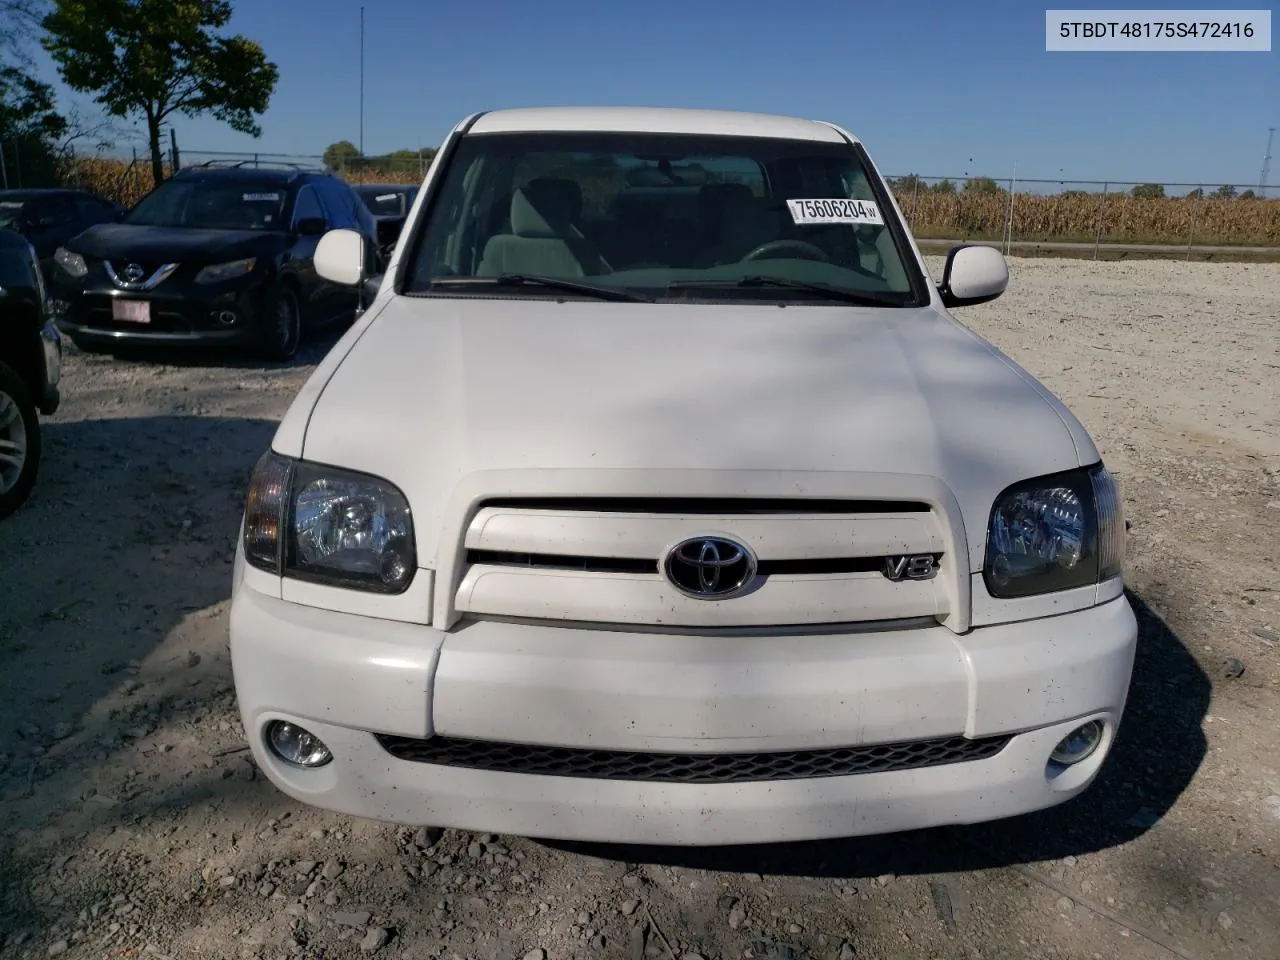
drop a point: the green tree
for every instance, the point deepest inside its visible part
(943, 186)
(908, 184)
(337, 155)
(30, 124)
(1196, 194)
(160, 58)
(30, 127)
(1248, 195)
(1225, 192)
(981, 185)
(1148, 191)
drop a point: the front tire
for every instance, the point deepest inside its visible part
(282, 329)
(19, 442)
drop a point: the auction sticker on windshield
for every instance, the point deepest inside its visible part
(835, 211)
(255, 197)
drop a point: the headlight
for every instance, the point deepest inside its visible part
(1055, 533)
(73, 263)
(328, 525)
(225, 271)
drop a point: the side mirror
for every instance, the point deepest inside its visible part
(339, 257)
(311, 226)
(972, 275)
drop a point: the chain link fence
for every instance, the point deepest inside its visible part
(1088, 212)
(1092, 213)
(125, 181)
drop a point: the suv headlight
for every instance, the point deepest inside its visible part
(217, 272)
(73, 263)
(1055, 533)
(327, 525)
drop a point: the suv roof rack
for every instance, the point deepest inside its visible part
(270, 164)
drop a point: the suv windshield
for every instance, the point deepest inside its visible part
(212, 205)
(387, 201)
(663, 216)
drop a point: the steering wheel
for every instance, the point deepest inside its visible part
(800, 248)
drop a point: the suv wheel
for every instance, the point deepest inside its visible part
(19, 442)
(283, 327)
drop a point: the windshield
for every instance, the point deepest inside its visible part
(387, 202)
(662, 216)
(11, 213)
(211, 205)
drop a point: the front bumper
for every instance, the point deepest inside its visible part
(346, 678)
(181, 313)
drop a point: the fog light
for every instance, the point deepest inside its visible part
(295, 745)
(1078, 744)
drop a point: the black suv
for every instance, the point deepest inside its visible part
(49, 218)
(213, 255)
(30, 367)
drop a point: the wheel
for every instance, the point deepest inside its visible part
(19, 442)
(282, 330)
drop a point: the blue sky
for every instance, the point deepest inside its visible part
(936, 89)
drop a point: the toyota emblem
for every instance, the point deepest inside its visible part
(710, 568)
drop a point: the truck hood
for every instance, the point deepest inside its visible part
(435, 391)
(125, 241)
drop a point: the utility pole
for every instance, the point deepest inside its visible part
(1266, 164)
(362, 81)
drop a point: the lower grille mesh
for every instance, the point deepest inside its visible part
(690, 768)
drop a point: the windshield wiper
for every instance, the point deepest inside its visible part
(552, 283)
(865, 298)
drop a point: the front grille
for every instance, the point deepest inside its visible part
(744, 506)
(765, 568)
(604, 560)
(690, 768)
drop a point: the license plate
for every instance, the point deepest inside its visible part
(131, 311)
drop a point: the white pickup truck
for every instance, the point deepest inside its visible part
(657, 497)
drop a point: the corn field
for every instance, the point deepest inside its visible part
(1114, 218)
(126, 182)
(1111, 218)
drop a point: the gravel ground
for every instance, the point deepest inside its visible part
(132, 824)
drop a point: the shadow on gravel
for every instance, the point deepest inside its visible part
(313, 349)
(1157, 753)
(131, 532)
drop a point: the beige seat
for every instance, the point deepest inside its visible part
(544, 238)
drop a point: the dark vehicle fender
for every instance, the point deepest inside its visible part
(23, 313)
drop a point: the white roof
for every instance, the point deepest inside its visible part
(654, 120)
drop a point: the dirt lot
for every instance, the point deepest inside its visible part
(130, 826)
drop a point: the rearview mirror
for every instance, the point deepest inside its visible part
(972, 275)
(339, 257)
(311, 226)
